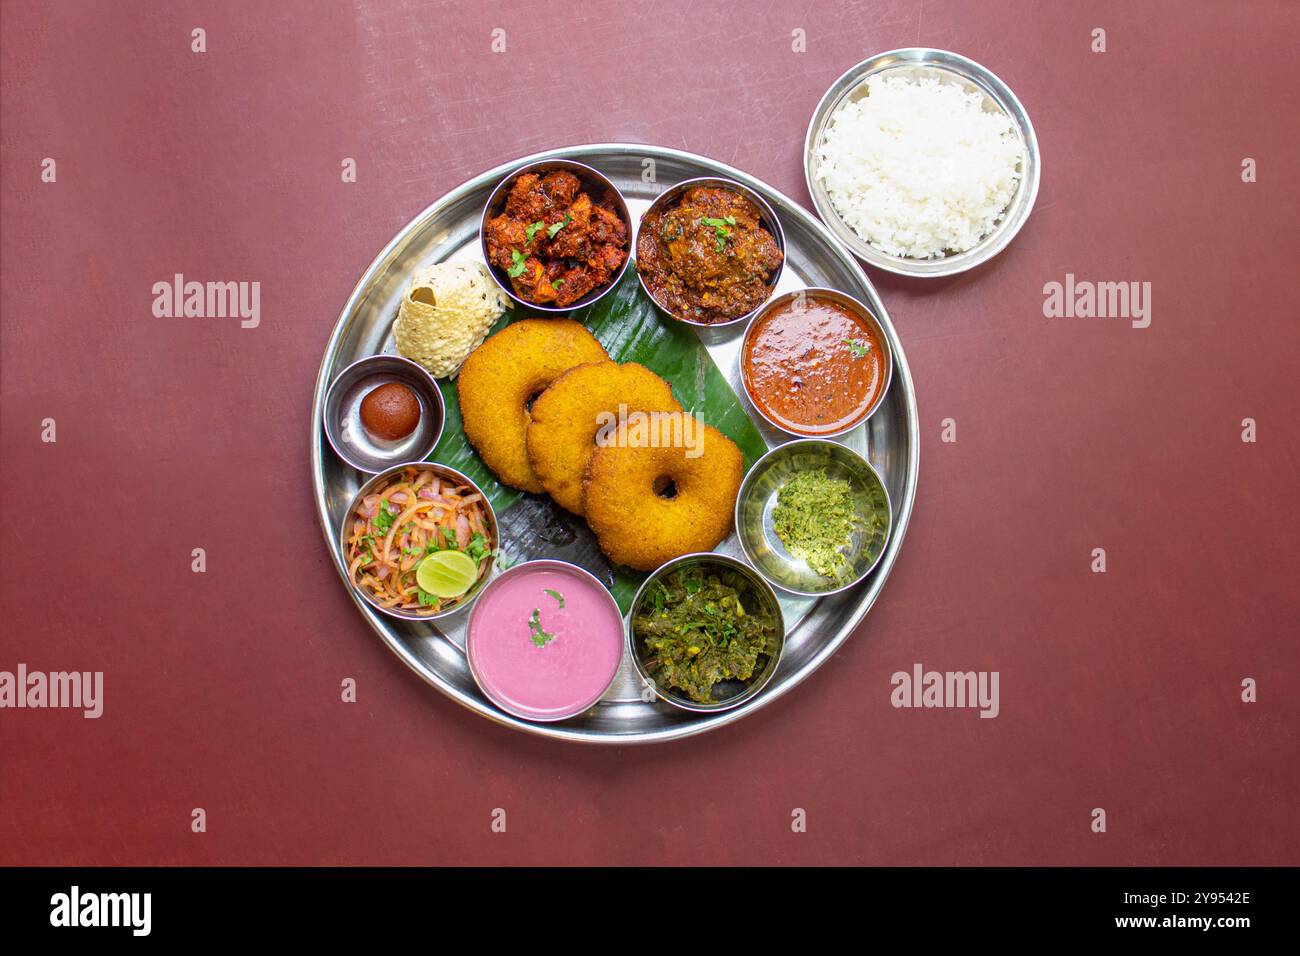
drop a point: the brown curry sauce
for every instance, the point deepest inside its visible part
(707, 258)
(813, 366)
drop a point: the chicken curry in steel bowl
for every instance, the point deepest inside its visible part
(709, 251)
(556, 235)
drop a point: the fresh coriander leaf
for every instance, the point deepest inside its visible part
(477, 548)
(518, 264)
(719, 227)
(555, 594)
(532, 230)
(858, 347)
(554, 228)
(535, 633)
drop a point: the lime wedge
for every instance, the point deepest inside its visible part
(446, 574)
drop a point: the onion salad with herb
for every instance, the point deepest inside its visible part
(416, 515)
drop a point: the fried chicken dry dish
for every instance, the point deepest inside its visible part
(554, 241)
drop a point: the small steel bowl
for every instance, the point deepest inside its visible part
(597, 185)
(342, 413)
(767, 218)
(858, 309)
(477, 614)
(729, 693)
(447, 474)
(949, 67)
(758, 498)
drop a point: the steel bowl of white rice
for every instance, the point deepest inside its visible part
(922, 162)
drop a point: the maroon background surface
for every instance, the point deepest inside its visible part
(1118, 690)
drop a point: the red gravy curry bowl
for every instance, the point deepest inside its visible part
(816, 362)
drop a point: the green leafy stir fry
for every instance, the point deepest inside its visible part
(815, 519)
(700, 628)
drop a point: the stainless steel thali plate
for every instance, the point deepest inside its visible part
(448, 229)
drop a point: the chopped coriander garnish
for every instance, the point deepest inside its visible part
(858, 347)
(555, 594)
(555, 227)
(719, 227)
(427, 599)
(384, 518)
(532, 230)
(519, 263)
(535, 633)
(477, 548)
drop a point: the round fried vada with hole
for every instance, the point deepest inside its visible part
(649, 505)
(582, 407)
(502, 377)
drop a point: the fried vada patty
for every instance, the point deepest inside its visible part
(503, 375)
(580, 407)
(648, 505)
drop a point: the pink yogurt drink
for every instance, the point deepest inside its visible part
(545, 640)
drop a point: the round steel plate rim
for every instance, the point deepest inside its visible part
(556, 731)
(922, 58)
(764, 206)
(745, 485)
(756, 577)
(812, 291)
(591, 298)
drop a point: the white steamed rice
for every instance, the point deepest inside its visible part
(918, 168)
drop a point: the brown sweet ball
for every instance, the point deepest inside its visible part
(390, 411)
